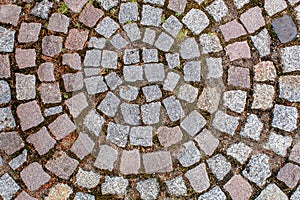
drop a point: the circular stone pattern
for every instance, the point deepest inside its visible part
(149, 99)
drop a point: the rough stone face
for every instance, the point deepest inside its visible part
(9, 186)
(240, 3)
(97, 43)
(62, 166)
(176, 186)
(209, 99)
(290, 58)
(171, 81)
(42, 9)
(10, 14)
(252, 128)
(279, 144)
(210, 43)
(90, 15)
(172, 25)
(296, 194)
(157, 162)
(25, 58)
(189, 49)
(128, 92)
(131, 56)
(109, 105)
(51, 45)
(193, 123)
(169, 136)
(75, 5)
(294, 155)
(53, 111)
(225, 123)
(198, 178)
(76, 39)
(239, 77)
(113, 80)
(29, 32)
(264, 71)
(6, 118)
(148, 189)
(133, 73)
(285, 117)
(130, 162)
(59, 191)
(240, 152)
(262, 42)
(25, 86)
(232, 29)
(77, 104)
(73, 81)
(285, 28)
(131, 113)
(34, 176)
(46, 72)
(73, 60)
(107, 27)
(164, 42)
(24, 196)
(274, 6)
(151, 112)
(4, 64)
(61, 127)
(7, 40)
(150, 55)
(238, 188)
(59, 23)
(133, 32)
(173, 60)
(289, 87)
(109, 59)
(141, 136)
(108, 4)
(41, 140)
(263, 96)
(217, 9)
(50, 93)
(87, 179)
(219, 166)
(154, 72)
(289, 174)
(151, 16)
(196, 20)
(30, 115)
(18, 161)
(117, 134)
(92, 58)
(188, 154)
(83, 196)
(215, 193)
(174, 109)
(82, 146)
(238, 50)
(106, 158)
(128, 12)
(93, 121)
(253, 19)
(207, 142)
(258, 169)
(114, 186)
(272, 191)
(118, 41)
(152, 93)
(95, 85)
(192, 71)
(10, 142)
(149, 36)
(177, 5)
(235, 100)
(5, 95)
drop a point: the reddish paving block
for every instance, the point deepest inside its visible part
(25, 58)
(4, 66)
(90, 15)
(29, 32)
(83, 146)
(62, 166)
(264, 71)
(169, 136)
(198, 178)
(62, 126)
(75, 5)
(51, 45)
(58, 23)
(239, 77)
(232, 29)
(76, 39)
(10, 142)
(207, 142)
(34, 176)
(73, 81)
(24, 196)
(157, 162)
(46, 72)
(253, 19)
(30, 115)
(238, 50)
(106, 158)
(10, 14)
(41, 140)
(130, 162)
(77, 104)
(73, 60)
(50, 93)
(289, 174)
(238, 188)
(177, 5)
(295, 153)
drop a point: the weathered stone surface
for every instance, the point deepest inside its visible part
(295, 153)
(76, 39)
(189, 49)
(278, 143)
(25, 58)
(75, 5)
(215, 193)
(131, 113)
(296, 194)
(238, 188)
(42, 9)
(5, 92)
(169, 136)
(195, 20)
(290, 58)
(150, 55)
(219, 166)
(263, 96)
(113, 80)
(174, 109)
(97, 43)
(61, 127)
(130, 162)
(59, 191)
(209, 99)
(232, 29)
(152, 93)
(90, 15)
(238, 50)
(109, 105)
(272, 191)
(285, 117)
(157, 162)
(210, 43)
(82, 146)
(133, 32)
(34, 176)
(95, 85)
(30, 115)
(114, 186)
(73, 81)
(253, 19)
(193, 123)
(7, 40)
(107, 27)
(29, 32)
(141, 136)
(217, 9)
(240, 152)
(53, 110)
(62, 166)
(252, 128)
(148, 189)
(235, 100)
(164, 42)
(6, 119)
(151, 16)
(225, 123)
(46, 72)
(262, 42)
(289, 174)
(151, 112)
(285, 28)
(118, 41)
(106, 158)
(9, 186)
(239, 77)
(264, 71)
(128, 92)
(289, 87)
(93, 121)
(25, 86)
(10, 142)
(77, 104)
(154, 72)
(274, 6)
(198, 178)
(18, 161)
(58, 23)
(176, 186)
(188, 154)
(87, 179)
(117, 134)
(24, 196)
(172, 25)
(50, 93)
(51, 45)
(4, 63)
(92, 58)
(240, 3)
(10, 14)
(149, 36)
(207, 142)
(83, 196)
(192, 71)
(41, 140)
(171, 81)
(108, 4)
(133, 73)
(177, 5)
(128, 12)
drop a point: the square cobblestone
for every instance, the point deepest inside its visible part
(128, 92)
(217, 9)
(109, 105)
(30, 115)
(164, 42)
(189, 49)
(106, 158)
(130, 162)
(75, 5)
(262, 42)
(177, 5)
(83, 146)
(118, 41)
(252, 128)
(50, 93)
(51, 45)
(264, 71)
(192, 71)
(90, 15)
(193, 123)
(133, 73)
(207, 142)
(174, 108)
(10, 14)
(150, 55)
(61, 127)
(196, 21)
(239, 151)
(209, 99)
(25, 58)
(285, 28)
(114, 186)
(73, 81)
(10, 142)
(219, 166)
(4, 64)
(128, 12)
(113, 80)
(252, 19)
(131, 113)
(290, 58)
(176, 186)
(238, 188)
(169, 136)
(279, 143)
(7, 40)
(172, 25)
(198, 178)
(76, 104)
(225, 123)
(109, 59)
(232, 29)
(148, 189)
(289, 174)
(155, 72)
(95, 85)
(59, 23)
(152, 93)
(274, 6)
(210, 43)
(151, 16)
(157, 162)
(239, 77)
(173, 60)
(131, 56)
(25, 86)
(235, 100)
(76, 39)
(151, 112)
(141, 136)
(93, 121)
(188, 93)
(9, 186)
(263, 96)
(149, 36)
(92, 58)
(46, 72)
(188, 154)
(107, 27)
(215, 193)
(108, 4)
(73, 60)
(238, 50)
(6, 119)
(117, 134)
(42, 9)
(133, 32)
(29, 32)
(171, 81)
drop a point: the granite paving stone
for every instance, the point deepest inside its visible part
(285, 28)
(24, 196)
(117, 134)
(171, 81)
(285, 117)
(155, 2)
(141, 136)
(265, 71)
(240, 3)
(174, 108)
(239, 77)
(198, 178)
(148, 188)
(76, 104)
(152, 93)
(294, 154)
(45, 72)
(75, 5)
(4, 64)
(289, 174)
(113, 80)
(60, 191)
(238, 188)
(108, 4)
(196, 20)
(109, 59)
(263, 96)
(150, 55)
(133, 32)
(188, 93)
(192, 71)
(58, 23)
(252, 128)
(176, 186)
(34, 176)
(157, 162)
(73, 81)
(296, 194)
(133, 73)
(11, 142)
(193, 123)
(169, 136)
(87, 179)
(73, 60)
(90, 15)
(9, 14)
(177, 5)
(151, 16)
(83, 146)
(41, 140)
(214, 67)
(207, 142)
(62, 166)
(128, 92)
(30, 115)
(149, 36)
(7, 120)
(9, 186)
(151, 113)
(262, 42)
(29, 32)
(173, 60)
(172, 25)
(253, 19)
(188, 154)
(18, 161)
(164, 42)
(279, 144)
(5, 95)
(232, 30)
(272, 191)
(214, 193)
(107, 27)
(290, 58)
(61, 127)
(25, 86)
(92, 58)
(50, 93)
(154, 72)
(109, 105)
(130, 162)
(7, 39)
(83, 196)
(225, 123)
(288, 87)
(131, 56)
(219, 166)
(128, 12)
(25, 58)
(94, 122)
(118, 41)
(52, 45)
(210, 43)
(189, 49)
(209, 99)
(274, 6)
(239, 151)
(95, 85)
(238, 50)
(76, 39)
(217, 9)
(106, 158)
(114, 185)
(97, 43)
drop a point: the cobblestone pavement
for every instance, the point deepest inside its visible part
(149, 99)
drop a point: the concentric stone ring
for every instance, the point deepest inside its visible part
(149, 99)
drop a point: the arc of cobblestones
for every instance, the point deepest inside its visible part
(149, 99)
